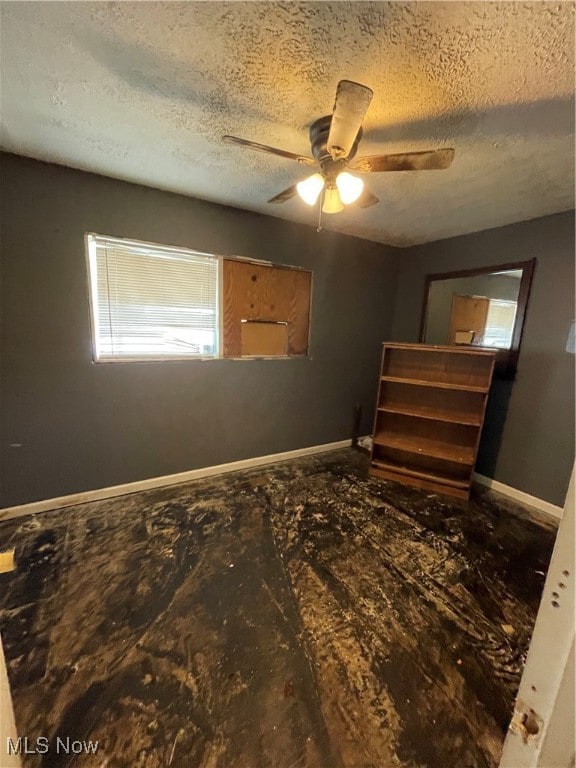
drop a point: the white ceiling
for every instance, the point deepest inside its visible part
(144, 91)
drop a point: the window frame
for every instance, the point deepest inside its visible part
(90, 244)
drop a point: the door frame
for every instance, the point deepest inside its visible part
(541, 732)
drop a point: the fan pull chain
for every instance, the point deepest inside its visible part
(320, 203)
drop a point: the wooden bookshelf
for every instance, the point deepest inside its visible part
(429, 415)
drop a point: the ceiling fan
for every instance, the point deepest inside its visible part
(334, 141)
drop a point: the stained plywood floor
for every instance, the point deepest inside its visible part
(301, 615)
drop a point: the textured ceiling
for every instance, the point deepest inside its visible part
(144, 91)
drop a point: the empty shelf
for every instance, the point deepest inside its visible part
(424, 447)
(435, 384)
(433, 414)
(435, 477)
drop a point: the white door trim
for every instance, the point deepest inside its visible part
(541, 732)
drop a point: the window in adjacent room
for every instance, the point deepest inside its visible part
(500, 324)
(152, 302)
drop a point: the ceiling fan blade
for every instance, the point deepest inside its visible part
(350, 107)
(432, 160)
(287, 194)
(269, 150)
(366, 199)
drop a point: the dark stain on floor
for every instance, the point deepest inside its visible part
(302, 615)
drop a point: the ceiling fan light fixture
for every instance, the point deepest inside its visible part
(350, 187)
(334, 141)
(309, 189)
(332, 202)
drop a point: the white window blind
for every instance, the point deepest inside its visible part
(500, 324)
(152, 301)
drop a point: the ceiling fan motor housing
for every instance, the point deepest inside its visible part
(319, 131)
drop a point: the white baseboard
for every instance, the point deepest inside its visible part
(35, 507)
(525, 498)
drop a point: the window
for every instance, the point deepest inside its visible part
(152, 301)
(157, 302)
(499, 324)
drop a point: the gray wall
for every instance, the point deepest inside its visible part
(528, 438)
(70, 425)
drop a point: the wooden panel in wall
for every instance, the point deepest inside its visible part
(265, 339)
(266, 293)
(299, 312)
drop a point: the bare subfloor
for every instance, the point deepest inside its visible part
(296, 616)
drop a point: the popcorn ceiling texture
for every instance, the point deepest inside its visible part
(144, 92)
